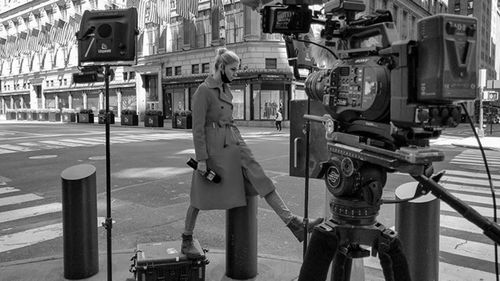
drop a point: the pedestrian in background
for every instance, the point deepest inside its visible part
(279, 118)
(220, 147)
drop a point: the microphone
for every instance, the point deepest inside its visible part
(208, 174)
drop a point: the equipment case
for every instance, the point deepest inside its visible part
(164, 261)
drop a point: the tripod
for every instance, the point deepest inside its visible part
(352, 225)
(342, 243)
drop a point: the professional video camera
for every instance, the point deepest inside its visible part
(402, 92)
(385, 99)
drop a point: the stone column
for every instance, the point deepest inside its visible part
(119, 100)
(84, 97)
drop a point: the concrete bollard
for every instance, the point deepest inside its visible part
(241, 241)
(417, 223)
(79, 207)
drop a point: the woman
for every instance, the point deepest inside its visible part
(220, 147)
(279, 118)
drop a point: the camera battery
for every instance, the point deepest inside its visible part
(164, 261)
(446, 59)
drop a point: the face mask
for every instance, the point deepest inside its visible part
(224, 76)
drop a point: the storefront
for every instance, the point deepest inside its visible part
(256, 97)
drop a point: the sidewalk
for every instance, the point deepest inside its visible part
(270, 268)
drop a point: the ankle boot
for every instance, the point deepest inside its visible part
(296, 225)
(191, 247)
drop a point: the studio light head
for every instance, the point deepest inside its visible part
(107, 36)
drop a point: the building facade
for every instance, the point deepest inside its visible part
(38, 56)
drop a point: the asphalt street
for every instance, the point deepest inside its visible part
(150, 192)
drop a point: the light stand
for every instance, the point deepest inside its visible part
(108, 223)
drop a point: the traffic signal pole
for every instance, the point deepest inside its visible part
(482, 84)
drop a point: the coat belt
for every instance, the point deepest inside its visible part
(230, 132)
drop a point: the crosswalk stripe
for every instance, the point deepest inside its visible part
(477, 158)
(486, 212)
(59, 143)
(468, 188)
(447, 272)
(458, 223)
(470, 174)
(5, 201)
(471, 161)
(94, 140)
(468, 180)
(30, 212)
(40, 145)
(30, 237)
(8, 189)
(5, 151)
(82, 142)
(17, 147)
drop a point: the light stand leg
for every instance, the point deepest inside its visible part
(108, 224)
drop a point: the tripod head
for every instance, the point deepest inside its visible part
(355, 174)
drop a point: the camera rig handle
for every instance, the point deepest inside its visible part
(490, 229)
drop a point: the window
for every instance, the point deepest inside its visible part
(271, 63)
(195, 69)
(404, 25)
(168, 71)
(384, 5)
(234, 26)
(205, 68)
(395, 14)
(65, 81)
(132, 75)
(267, 103)
(125, 76)
(178, 70)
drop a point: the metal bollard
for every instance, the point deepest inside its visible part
(241, 241)
(417, 223)
(79, 206)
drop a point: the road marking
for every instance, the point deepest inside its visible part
(467, 188)
(64, 144)
(458, 223)
(40, 145)
(30, 212)
(5, 151)
(8, 189)
(186, 151)
(470, 174)
(447, 272)
(33, 236)
(10, 200)
(17, 148)
(487, 212)
(82, 142)
(30, 237)
(38, 157)
(471, 181)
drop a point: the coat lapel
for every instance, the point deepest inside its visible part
(224, 96)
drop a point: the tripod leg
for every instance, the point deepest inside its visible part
(320, 252)
(341, 267)
(393, 262)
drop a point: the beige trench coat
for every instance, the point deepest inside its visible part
(212, 137)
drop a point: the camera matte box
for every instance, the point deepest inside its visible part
(164, 261)
(446, 59)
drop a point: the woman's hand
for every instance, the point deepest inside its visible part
(202, 166)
